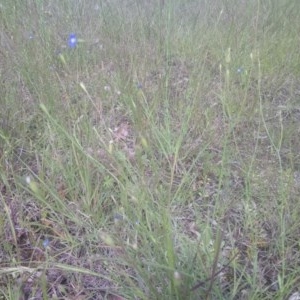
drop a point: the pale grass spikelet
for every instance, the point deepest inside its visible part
(251, 56)
(82, 85)
(62, 59)
(32, 185)
(110, 146)
(43, 108)
(254, 55)
(144, 142)
(227, 73)
(107, 239)
(228, 56)
(134, 246)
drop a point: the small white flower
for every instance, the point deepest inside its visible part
(27, 179)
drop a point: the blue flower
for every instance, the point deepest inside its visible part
(31, 36)
(72, 41)
(46, 243)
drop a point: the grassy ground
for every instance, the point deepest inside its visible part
(158, 158)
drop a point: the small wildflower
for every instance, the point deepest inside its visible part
(107, 88)
(240, 70)
(72, 41)
(177, 275)
(46, 243)
(177, 278)
(31, 36)
(118, 217)
(139, 85)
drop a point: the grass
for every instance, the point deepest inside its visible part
(158, 159)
